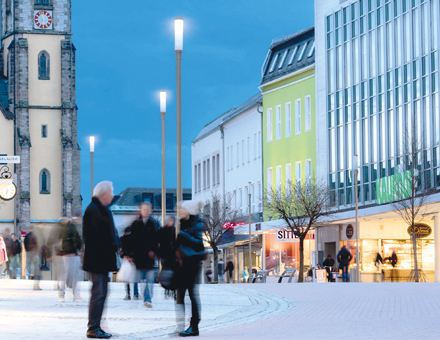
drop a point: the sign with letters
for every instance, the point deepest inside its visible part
(5, 159)
(394, 188)
(286, 236)
(421, 230)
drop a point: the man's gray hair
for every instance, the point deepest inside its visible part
(102, 188)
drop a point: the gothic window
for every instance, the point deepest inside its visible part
(43, 66)
(44, 182)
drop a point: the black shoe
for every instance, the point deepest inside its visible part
(127, 297)
(191, 331)
(98, 334)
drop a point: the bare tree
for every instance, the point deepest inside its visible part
(301, 206)
(411, 186)
(217, 213)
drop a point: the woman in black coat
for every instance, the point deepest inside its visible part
(190, 252)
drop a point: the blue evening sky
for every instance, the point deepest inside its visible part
(125, 55)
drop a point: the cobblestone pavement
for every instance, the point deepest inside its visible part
(257, 311)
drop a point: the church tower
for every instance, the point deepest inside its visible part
(38, 119)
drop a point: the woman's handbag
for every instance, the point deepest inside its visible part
(167, 279)
(127, 272)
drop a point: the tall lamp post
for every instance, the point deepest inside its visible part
(355, 160)
(178, 49)
(250, 234)
(92, 151)
(163, 109)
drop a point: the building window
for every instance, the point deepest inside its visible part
(308, 113)
(43, 66)
(232, 157)
(278, 177)
(259, 144)
(308, 171)
(213, 171)
(227, 159)
(43, 131)
(249, 149)
(288, 120)
(218, 168)
(42, 2)
(298, 116)
(44, 182)
(278, 122)
(242, 152)
(208, 174)
(195, 179)
(238, 154)
(269, 125)
(253, 198)
(269, 183)
(240, 199)
(204, 175)
(148, 198)
(260, 208)
(298, 173)
(199, 177)
(288, 179)
(170, 201)
(255, 146)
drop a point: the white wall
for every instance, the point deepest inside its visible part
(322, 8)
(202, 150)
(247, 124)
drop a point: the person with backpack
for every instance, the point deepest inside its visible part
(71, 245)
(344, 258)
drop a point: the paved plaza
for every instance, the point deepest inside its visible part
(258, 311)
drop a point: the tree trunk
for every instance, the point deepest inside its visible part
(215, 269)
(301, 260)
(416, 265)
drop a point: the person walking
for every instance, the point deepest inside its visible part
(166, 251)
(33, 243)
(344, 258)
(144, 248)
(229, 269)
(14, 256)
(328, 265)
(8, 243)
(393, 261)
(190, 253)
(100, 247)
(71, 246)
(126, 242)
(220, 268)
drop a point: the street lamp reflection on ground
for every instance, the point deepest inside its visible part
(163, 109)
(92, 151)
(178, 49)
(355, 162)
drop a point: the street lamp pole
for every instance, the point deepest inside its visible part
(355, 159)
(163, 109)
(250, 234)
(92, 151)
(178, 49)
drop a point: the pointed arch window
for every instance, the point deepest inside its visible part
(43, 66)
(44, 182)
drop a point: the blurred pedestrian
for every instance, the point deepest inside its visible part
(166, 251)
(190, 253)
(229, 269)
(144, 248)
(34, 243)
(8, 243)
(328, 265)
(245, 274)
(14, 255)
(393, 261)
(55, 249)
(71, 246)
(126, 242)
(220, 268)
(101, 245)
(344, 258)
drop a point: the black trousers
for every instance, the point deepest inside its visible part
(97, 300)
(188, 282)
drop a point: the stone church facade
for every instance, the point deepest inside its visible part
(38, 119)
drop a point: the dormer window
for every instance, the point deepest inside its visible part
(42, 2)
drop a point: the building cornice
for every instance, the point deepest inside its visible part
(8, 34)
(305, 69)
(289, 84)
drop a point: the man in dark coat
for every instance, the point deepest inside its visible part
(144, 243)
(328, 265)
(344, 258)
(100, 247)
(14, 256)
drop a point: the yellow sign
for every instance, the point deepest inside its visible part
(421, 230)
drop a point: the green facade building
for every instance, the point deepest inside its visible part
(289, 125)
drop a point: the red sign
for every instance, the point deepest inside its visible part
(232, 225)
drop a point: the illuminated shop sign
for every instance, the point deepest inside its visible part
(286, 236)
(394, 188)
(421, 230)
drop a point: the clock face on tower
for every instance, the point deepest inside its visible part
(43, 20)
(8, 193)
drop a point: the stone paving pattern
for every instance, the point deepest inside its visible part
(257, 311)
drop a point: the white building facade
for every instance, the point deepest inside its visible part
(227, 157)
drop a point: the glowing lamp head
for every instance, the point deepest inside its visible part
(178, 34)
(92, 143)
(163, 101)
